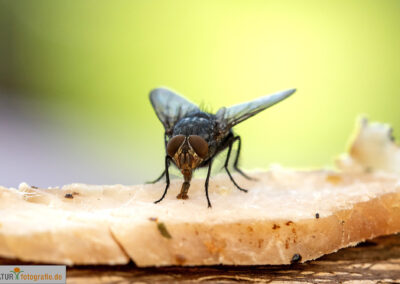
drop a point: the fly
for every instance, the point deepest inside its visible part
(193, 137)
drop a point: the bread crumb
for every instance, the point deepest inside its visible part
(288, 223)
(68, 195)
(180, 259)
(276, 227)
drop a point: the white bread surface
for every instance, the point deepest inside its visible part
(287, 216)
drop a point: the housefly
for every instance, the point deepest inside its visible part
(193, 137)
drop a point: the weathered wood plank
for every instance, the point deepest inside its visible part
(370, 262)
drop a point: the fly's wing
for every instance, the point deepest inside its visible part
(228, 117)
(170, 107)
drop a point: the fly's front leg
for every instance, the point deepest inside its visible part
(167, 178)
(235, 164)
(227, 162)
(206, 185)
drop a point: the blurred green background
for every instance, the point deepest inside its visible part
(75, 78)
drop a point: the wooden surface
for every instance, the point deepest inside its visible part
(376, 261)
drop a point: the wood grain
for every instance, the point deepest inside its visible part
(376, 261)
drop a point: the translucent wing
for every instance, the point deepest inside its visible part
(228, 117)
(170, 107)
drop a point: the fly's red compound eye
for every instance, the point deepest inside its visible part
(174, 144)
(199, 145)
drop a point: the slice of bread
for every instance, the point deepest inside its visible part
(287, 216)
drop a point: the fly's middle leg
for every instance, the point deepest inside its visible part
(235, 164)
(227, 162)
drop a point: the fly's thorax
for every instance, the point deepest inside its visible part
(200, 123)
(187, 151)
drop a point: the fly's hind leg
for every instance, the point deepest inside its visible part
(158, 179)
(227, 162)
(235, 164)
(163, 173)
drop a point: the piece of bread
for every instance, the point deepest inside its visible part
(287, 216)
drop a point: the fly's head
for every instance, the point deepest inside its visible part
(187, 151)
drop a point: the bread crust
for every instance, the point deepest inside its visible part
(113, 224)
(260, 242)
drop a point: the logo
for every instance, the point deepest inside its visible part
(16, 272)
(35, 274)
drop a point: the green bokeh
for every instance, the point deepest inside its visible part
(94, 63)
